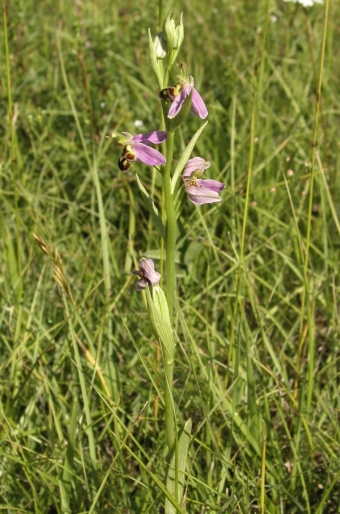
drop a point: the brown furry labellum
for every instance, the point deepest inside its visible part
(123, 163)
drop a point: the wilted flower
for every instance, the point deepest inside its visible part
(200, 191)
(138, 147)
(305, 3)
(147, 274)
(179, 93)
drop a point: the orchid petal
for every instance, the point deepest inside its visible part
(198, 106)
(141, 284)
(156, 138)
(202, 195)
(178, 102)
(195, 164)
(212, 185)
(148, 155)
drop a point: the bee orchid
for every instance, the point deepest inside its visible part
(200, 191)
(139, 148)
(179, 93)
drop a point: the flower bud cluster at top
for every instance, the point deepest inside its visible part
(173, 35)
(170, 39)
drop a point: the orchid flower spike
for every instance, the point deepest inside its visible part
(200, 191)
(178, 94)
(147, 274)
(138, 147)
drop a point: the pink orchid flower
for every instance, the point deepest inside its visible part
(179, 93)
(138, 148)
(200, 191)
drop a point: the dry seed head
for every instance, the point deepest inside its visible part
(57, 266)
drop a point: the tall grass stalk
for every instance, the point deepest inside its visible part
(307, 298)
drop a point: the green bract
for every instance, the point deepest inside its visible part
(160, 322)
(183, 447)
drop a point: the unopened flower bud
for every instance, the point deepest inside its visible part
(172, 34)
(169, 31)
(160, 46)
(156, 62)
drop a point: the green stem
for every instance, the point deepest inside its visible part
(170, 243)
(169, 410)
(170, 249)
(172, 58)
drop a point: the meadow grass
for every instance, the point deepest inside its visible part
(257, 319)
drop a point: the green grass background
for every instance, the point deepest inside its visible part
(257, 316)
